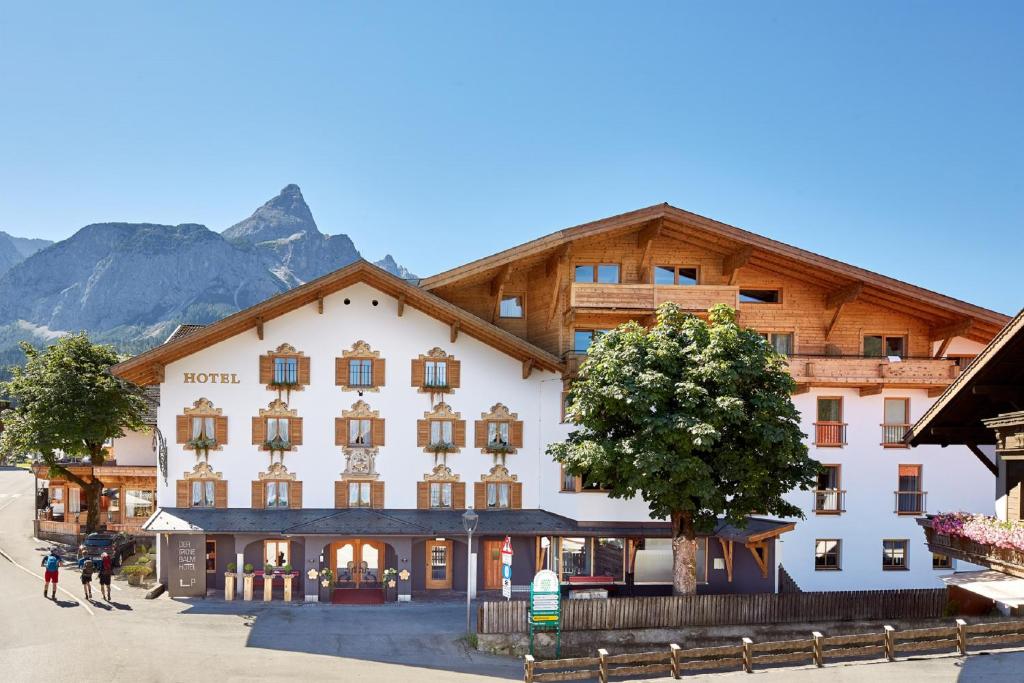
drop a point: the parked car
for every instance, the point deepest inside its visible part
(118, 546)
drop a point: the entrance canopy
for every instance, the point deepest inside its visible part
(1003, 588)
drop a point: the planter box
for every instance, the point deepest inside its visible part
(268, 587)
(229, 585)
(247, 582)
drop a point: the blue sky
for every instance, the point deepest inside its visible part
(884, 134)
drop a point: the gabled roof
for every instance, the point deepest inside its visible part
(765, 253)
(183, 330)
(147, 367)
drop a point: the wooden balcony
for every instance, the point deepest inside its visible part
(830, 434)
(872, 373)
(647, 297)
(1005, 560)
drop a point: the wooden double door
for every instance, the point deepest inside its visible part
(357, 563)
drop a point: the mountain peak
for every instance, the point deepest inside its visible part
(281, 217)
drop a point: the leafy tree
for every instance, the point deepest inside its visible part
(695, 417)
(66, 406)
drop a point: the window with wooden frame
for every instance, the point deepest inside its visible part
(962, 360)
(676, 275)
(581, 484)
(436, 372)
(829, 497)
(895, 422)
(359, 427)
(201, 488)
(512, 306)
(498, 490)
(277, 428)
(276, 489)
(910, 498)
(828, 554)
(597, 273)
(359, 368)
(359, 493)
(441, 431)
(829, 428)
(211, 557)
(940, 561)
(202, 427)
(583, 338)
(766, 295)
(884, 345)
(782, 342)
(441, 490)
(498, 431)
(284, 368)
(894, 554)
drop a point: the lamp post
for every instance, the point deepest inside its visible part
(469, 522)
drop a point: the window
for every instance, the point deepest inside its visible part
(435, 373)
(360, 372)
(609, 558)
(211, 557)
(497, 434)
(782, 342)
(582, 339)
(360, 432)
(675, 275)
(827, 554)
(895, 421)
(441, 494)
(574, 560)
(829, 429)
(604, 273)
(286, 371)
(138, 503)
(909, 496)
(879, 345)
(940, 561)
(202, 493)
(499, 494)
(760, 296)
(276, 553)
(582, 483)
(277, 430)
(441, 431)
(511, 306)
(568, 482)
(828, 498)
(894, 554)
(359, 494)
(277, 494)
(202, 428)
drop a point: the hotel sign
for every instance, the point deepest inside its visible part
(186, 570)
(210, 378)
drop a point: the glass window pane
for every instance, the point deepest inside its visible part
(436, 373)
(209, 494)
(568, 481)
(282, 494)
(582, 340)
(197, 494)
(511, 307)
(759, 296)
(503, 493)
(783, 342)
(435, 431)
(894, 346)
(829, 410)
(492, 495)
(687, 276)
(574, 558)
(608, 273)
(664, 275)
(873, 346)
(435, 495)
(653, 562)
(446, 495)
(609, 554)
(584, 274)
(895, 411)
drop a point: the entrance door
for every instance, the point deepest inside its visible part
(492, 565)
(357, 563)
(439, 564)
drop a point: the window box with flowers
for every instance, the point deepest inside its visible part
(436, 373)
(499, 432)
(277, 428)
(284, 370)
(202, 428)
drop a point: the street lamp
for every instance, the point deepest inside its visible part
(469, 522)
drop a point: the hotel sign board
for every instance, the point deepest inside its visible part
(546, 607)
(186, 568)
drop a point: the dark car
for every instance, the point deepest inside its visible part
(117, 546)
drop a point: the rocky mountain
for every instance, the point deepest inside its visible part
(131, 283)
(14, 250)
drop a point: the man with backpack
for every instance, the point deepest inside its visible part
(88, 567)
(52, 564)
(106, 569)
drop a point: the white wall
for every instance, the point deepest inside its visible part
(135, 448)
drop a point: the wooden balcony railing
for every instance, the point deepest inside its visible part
(830, 501)
(855, 371)
(892, 435)
(1005, 560)
(647, 297)
(909, 502)
(830, 434)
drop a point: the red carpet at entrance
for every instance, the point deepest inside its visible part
(358, 596)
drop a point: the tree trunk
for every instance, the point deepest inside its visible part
(92, 490)
(684, 554)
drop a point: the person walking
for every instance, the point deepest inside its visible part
(88, 567)
(51, 563)
(106, 570)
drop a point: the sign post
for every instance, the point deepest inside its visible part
(545, 612)
(506, 568)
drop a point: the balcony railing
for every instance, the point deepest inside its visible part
(909, 502)
(830, 434)
(858, 371)
(647, 297)
(892, 435)
(1006, 560)
(830, 501)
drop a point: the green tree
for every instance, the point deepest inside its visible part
(66, 406)
(696, 418)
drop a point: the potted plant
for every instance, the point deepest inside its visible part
(286, 386)
(499, 447)
(389, 577)
(277, 444)
(287, 575)
(247, 581)
(325, 581)
(202, 444)
(439, 447)
(230, 577)
(136, 573)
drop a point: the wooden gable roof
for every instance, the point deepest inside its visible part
(147, 367)
(943, 313)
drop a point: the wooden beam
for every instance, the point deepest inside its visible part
(320, 303)
(455, 331)
(644, 240)
(964, 434)
(936, 391)
(527, 367)
(801, 389)
(401, 305)
(158, 372)
(980, 455)
(843, 295)
(734, 261)
(727, 554)
(941, 351)
(956, 328)
(554, 262)
(871, 390)
(762, 562)
(999, 392)
(259, 327)
(499, 280)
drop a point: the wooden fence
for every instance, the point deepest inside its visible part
(721, 610)
(748, 655)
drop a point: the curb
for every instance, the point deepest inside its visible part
(155, 592)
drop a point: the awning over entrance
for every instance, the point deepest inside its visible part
(1003, 588)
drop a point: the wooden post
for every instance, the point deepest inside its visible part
(528, 669)
(748, 655)
(890, 643)
(819, 649)
(602, 673)
(961, 636)
(268, 586)
(674, 650)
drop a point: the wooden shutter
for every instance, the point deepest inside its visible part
(220, 494)
(181, 428)
(479, 495)
(377, 495)
(454, 373)
(515, 434)
(181, 489)
(459, 433)
(417, 372)
(303, 370)
(220, 430)
(295, 430)
(422, 433)
(266, 369)
(516, 497)
(459, 495)
(377, 432)
(341, 494)
(339, 372)
(259, 500)
(295, 495)
(422, 495)
(480, 438)
(259, 431)
(340, 431)
(378, 372)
